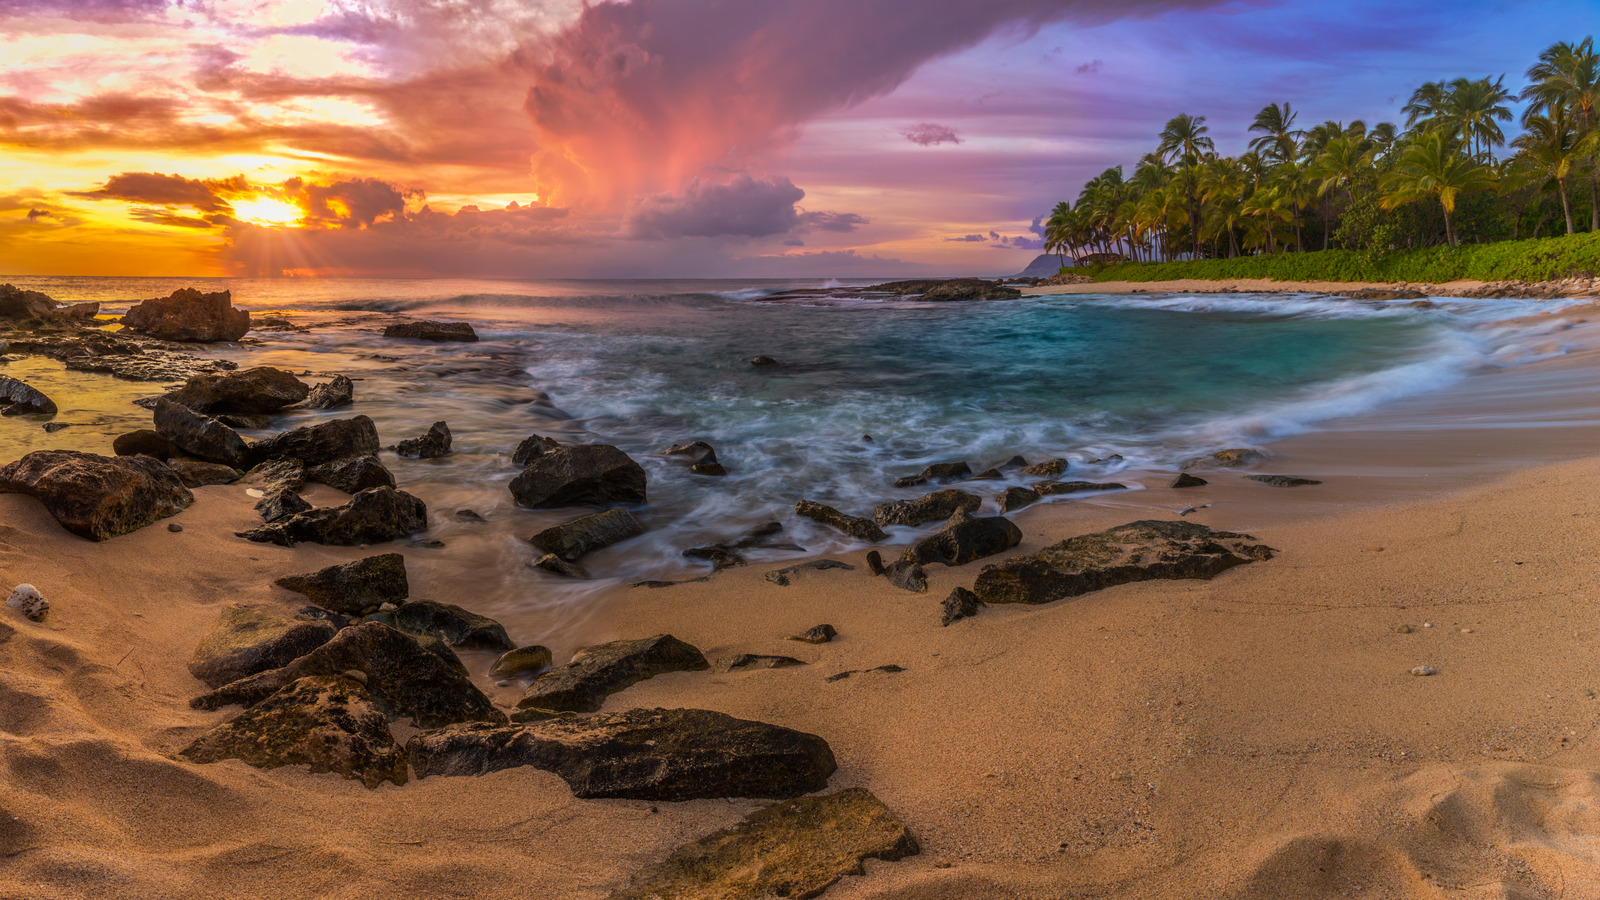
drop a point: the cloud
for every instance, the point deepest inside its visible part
(1090, 67)
(171, 190)
(100, 11)
(36, 214)
(828, 220)
(968, 239)
(930, 134)
(744, 206)
(355, 203)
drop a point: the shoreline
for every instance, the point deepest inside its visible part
(1462, 288)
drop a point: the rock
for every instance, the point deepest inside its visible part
(467, 515)
(961, 604)
(1424, 671)
(249, 392)
(534, 658)
(907, 575)
(1050, 468)
(890, 669)
(433, 331)
(712, 469)
(314, 445)
(447, 622)
(353, 475)
(951, 471)
(1185, 480)
(755, 661)
(1138, 551)
(1052, 488)
(782, 577)
(875, 562)
(354, 588)
(123, 355)
(951, 289)
(854, 526)
(174, 527)
(240, 420)
(405, 679)
(1015, 498)
(97, 497)
(332, 395)
(245, 641)
(201, 474)
(53, 427)
(277, 475)
(579, 475)
(555, 565)
(532, 448)
(702, 457)
(816, 634)
(1379, 294)
(933, 507)
(571, 540)
(188, 315)
(19, 399)
(278, 505)
(1281, 480)
(79, 312)
(327, 722)
(965, 538)
(434, 444)
(144, 442)
(721, 556)
(1226, 459)
(16, 303)
(726, 555)
(200, 436)
(763, 362)
(641, 754)
(27, 599)
(596, 672)
(797, 848)
(372, 516)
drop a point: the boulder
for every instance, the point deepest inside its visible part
(354, 587)
(332, 395)
(326, 722)
(533, 658)
(1015, 498)
(755, 661)
(405, 679)
(200, 436)
(934, 507)
(241, 420)
(1138, 551)
(1053, 488)
(17, 398)
(249, 392)
(352, 475)
(245, 641)
(571, 540)
(1281, 480)
(579, 475)
(583, 684)
(277, 475)
(278, 505)
(372, 516)
(816, 634)
(434, 444)
(97, 497)
(18, 304)
(432, 331)
(854, 526)
(641, 754)
(1185, 480)
(447, 622)
(797, 848)
(532, 448)
(961, 604)
(964, 538)
(1050, 468)
(196, 473)
(188, 315)
(936, 472)
(317, 444)
(907, 575)
(144, 442)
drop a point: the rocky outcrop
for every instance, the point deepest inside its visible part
(353, 475)
(196, 473)
(188, 315)
(334, 394)
(18, 398)
(18, 304)
(961, 604)
(432, 331)
(950, 289)
(594, 673)
(855, 526)
(245, 641)
(324, 443)
(354, 588)
(1015, 498)
(1054, 488)
(122, 355)
(256, 391)
(533, 447)
(434, 444)
(579, 475)
(404, 679)
(1138, 551)
(449, 623)
(934, 507)
(372, 516)
(701, 455)
(797, 848)
(1281, 480)
(144, 442)
(325, 722)
(97, 497)
(571, 540)
(200, 436)
(641, 754)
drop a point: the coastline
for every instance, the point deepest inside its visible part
(1462, 288)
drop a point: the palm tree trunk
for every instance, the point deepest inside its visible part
(1299, 242)
(1566, 207)
(1449, 232)
(1594, 195)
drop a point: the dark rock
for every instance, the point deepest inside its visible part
(950, 471)
(854, 526)
(79, 312)
(1381, 294)
(245, 641)
(596, 672)
(571, 540)
(277, 475)
(53, 427)
(990, 474)
(1281, 480)
(146, 443)
(875, 562)
(798, 848)
(432, 331)
(188, 315)
(200, 474)
(318, 444)
(200, 436)
(1016, 498)
(890, 669)
(532, 448)
(762, 361)
(906, 481)
(720, 556)
(280, 504)
(641, 754)
(965, 538)
(97, 497)
(434, 444)
(404, 678)
(555, 565)
(961, 604)
(1015, 462)
(1138, 551)
(334, 394)
(1052, 488)
(713, 469)
(123, 355)
(1185, 480)
(725, 555)
(174, 527)
(447, 622)
(1050, 468)
(816, 634)
(352, 475)
(781, 577)
(579, 475)
(1227, 459)
(19, 304)
(950, 289)
(534, 658)
(372, 516)
(702, 457)
(354, 588)
(249, 392)
(934, 507)
(907, 575)
(467, 515)
(756, 661)
(19, 399)
(241, 420)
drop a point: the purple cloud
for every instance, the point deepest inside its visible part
(929, 134)
(828, 220)
(968, 239)
(745, 207)
(1090, 67)
(36, 214)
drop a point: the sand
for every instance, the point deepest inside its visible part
(1248, 286)
(1255, 736)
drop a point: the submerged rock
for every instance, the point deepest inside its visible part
(1232, 458)
(579, 475)
(97, 497)
(1281, 480)
(933, 507)
(434, 444)
(372, 516)
(433, 331)
(188, 315)
(245, 641)
(17, 398)
(1050, 468)
(702, 457)
(337, 393)
(555, 565)
(1138, 551)
(571, 540)
(950, 471)
(855, 526)
(354, 588)
(641, 754)
(353, 475)
(327, 442)
(256, 391)
(726, 555)
(594, 673)
(447, 622)
(200, 436)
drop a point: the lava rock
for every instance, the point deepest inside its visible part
(579, 475)
(816, 634)
(249, 392)
(188, 315)
(354, 588)
(855, 526)
(1281, 480)
(196, 473)
(937, 472)
(282, 504)
(934, 507)
(144, 442)
(1053, 488)
(434, 444)
(1050, 468)
(965, 538)
(200, 436)
(1185, 480)
(1015, 498)
(534, 658)
(907, 575)
(571, 540)
(961, 604)
(372, 516)
(433, 331)
(17, 398)
(245, 641)
(596, 672)
(353, 475)
(755, 661)
(334, 394)
(533, 447)
(450, 623)
(314, 445)
(97, 497)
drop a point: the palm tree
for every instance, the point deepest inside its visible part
(1058, 231)
(1223, 183)
(1425, 107)
(1553, 144)
(1266, 210)
(1432, 166)
(1279, 140)
(1568, 76)
(1298, 189)
(1184, 140)
(1472, 109)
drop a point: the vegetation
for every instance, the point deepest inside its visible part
(1344, 201)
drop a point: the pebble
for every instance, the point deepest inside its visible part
(1420, 671)
(1404, 629)
(28, 599)
(1466, 631)
(174, 527)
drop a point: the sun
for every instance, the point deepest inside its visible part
(267, 211)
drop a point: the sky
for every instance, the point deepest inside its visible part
(654, 138)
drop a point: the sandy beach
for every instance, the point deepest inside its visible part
(1257, 285)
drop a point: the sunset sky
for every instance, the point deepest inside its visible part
(516, 138)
